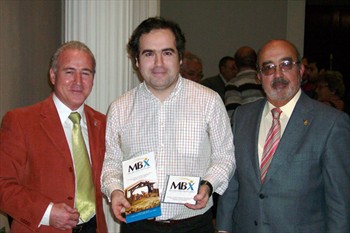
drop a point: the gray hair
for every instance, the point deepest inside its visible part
(72, 45)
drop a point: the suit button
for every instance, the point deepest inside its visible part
(262, 196)
(255, 223)
(70, 198)
(71, 169)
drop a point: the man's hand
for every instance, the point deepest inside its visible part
(119, 204)
(63, 217)
(201, 198)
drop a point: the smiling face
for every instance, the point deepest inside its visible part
(281, 86)
(73, 79)
(159, 62)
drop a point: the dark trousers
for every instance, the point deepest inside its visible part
(88, 227)
(198, 224)
(215, 204)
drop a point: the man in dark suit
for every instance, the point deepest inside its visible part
(227, 71)
(306, 187)
(38, 178)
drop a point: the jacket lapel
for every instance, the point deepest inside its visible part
(94, 126)
(255, 159)
(293, 134)
(52, 126)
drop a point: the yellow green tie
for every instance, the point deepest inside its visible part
(84, 195)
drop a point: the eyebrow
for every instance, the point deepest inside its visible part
(168, 49)
(163, 50)
(287, 59)
(72, 68)
(87, 69)
(266, 62)
(281, 60)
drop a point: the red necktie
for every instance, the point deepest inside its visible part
(271, 143)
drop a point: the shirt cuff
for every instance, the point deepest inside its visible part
(46, 218)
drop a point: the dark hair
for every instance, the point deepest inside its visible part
(245, 57)
(147, 26)
(224, 60)
(72, 45)
(334, 80)
(310, 59)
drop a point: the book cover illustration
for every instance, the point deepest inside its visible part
(141, 188)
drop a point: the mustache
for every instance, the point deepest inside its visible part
(278, 81)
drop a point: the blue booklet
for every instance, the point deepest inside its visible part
(141, 188)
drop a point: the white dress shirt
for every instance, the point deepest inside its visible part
(266, 120)
(189, 133)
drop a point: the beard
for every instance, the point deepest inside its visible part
(281, 89)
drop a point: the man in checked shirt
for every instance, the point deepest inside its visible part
(184, 123)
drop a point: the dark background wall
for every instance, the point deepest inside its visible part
(30, 31)
(327, 35)
(215, 29)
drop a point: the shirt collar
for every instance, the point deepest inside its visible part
(176, 90)
(64, 111)
(222, 78)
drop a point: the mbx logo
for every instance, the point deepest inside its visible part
(182, 185)
(139, 165)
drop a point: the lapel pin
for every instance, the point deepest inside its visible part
(306, 122)
(95, 123)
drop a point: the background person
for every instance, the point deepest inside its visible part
(310, 76)
(330, 89)
(227, 71)
(245, 87)
(191, 67)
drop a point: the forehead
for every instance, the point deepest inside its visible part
(75, 55)
(277, 51)
(157, 39)
(230, 63)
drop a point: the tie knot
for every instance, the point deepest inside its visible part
(75, 117)
(276, 113)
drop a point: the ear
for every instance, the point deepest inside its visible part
(52, 77)
(181, 57)
(258, 77)
(137, 62)
(301, 70)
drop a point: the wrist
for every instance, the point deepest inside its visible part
(116, 192)
(205, 182)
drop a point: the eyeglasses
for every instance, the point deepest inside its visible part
(286, 65)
